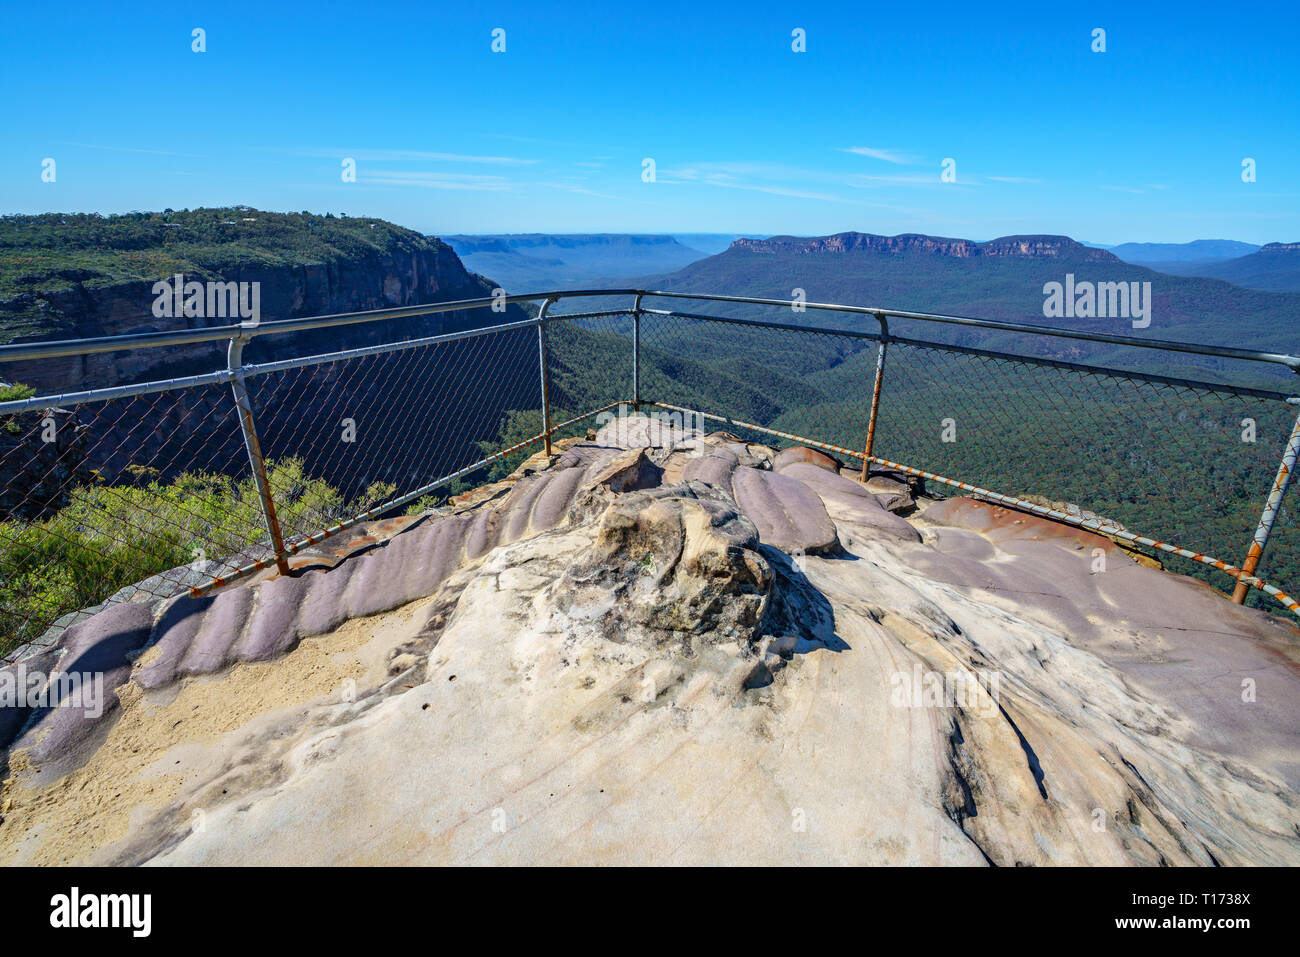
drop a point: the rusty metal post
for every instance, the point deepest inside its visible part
(248, 425)
(1271, 507)
(636, 354)
(546, 379)
(875, 396)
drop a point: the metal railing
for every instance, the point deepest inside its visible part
(183, 484)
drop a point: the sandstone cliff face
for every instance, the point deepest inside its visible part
(33, 474)
(1030, 247)
(195, 429)
(608, 658)
(398, 277)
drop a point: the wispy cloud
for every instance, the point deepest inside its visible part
(580, 190)
(781, 191)
(889, 156)
(435, 180)
(135, 149)
(398, 156)
(864, 181)
(1014, 179)
(729, 176)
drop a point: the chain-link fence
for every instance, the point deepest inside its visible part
(364, 429)
(128, 498)
(1185, 463)
(147, 495)
(141, 492)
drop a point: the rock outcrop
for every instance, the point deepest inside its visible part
(326, 270)
(663, 647)
(1027, 247)
(372, 268)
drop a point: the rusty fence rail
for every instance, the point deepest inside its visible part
(141, 491)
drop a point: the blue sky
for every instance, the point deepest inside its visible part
(1141, 143)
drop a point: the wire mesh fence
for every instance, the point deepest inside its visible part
(1174, 461)
(143, 496)
(589, 358)
(148, 496)
(127, 499)
(363, 431)
(817, 385)
(1183, 464)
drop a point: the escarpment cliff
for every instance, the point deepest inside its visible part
(303, 265)
(658, 646)
(1027, 247)
(78, 276)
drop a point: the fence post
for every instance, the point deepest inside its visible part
(235, 357)
(875, 395)
(636, 354)
(546, 380)
(1271, 507)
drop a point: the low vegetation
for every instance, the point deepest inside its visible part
(106, 537)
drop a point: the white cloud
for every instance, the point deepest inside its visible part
(580, 190)
(136, 149)
(909, 179)
(724, 175)
(398, 156)
(432, 180)
(889, 156)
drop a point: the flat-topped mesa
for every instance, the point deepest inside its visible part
(1031, 247)
(654, 646)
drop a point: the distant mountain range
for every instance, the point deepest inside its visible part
(1197, 251)
(1000, 279)
(1275, 266)
(1272, 267)
(535, 262)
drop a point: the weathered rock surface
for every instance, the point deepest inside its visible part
(630, 654)
(669, 566)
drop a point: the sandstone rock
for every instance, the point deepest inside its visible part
(788, 514)
(849, 503)
(643, 431)
(668, 565)
(585, 671)
(800, 454)
(97, 652)
(892, 494)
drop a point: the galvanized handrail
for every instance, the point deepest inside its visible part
(253, 445)
(238, 371)
(70, 347)
(143, 340)
(1164, 345)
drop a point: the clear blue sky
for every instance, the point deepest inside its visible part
(1141, 143)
